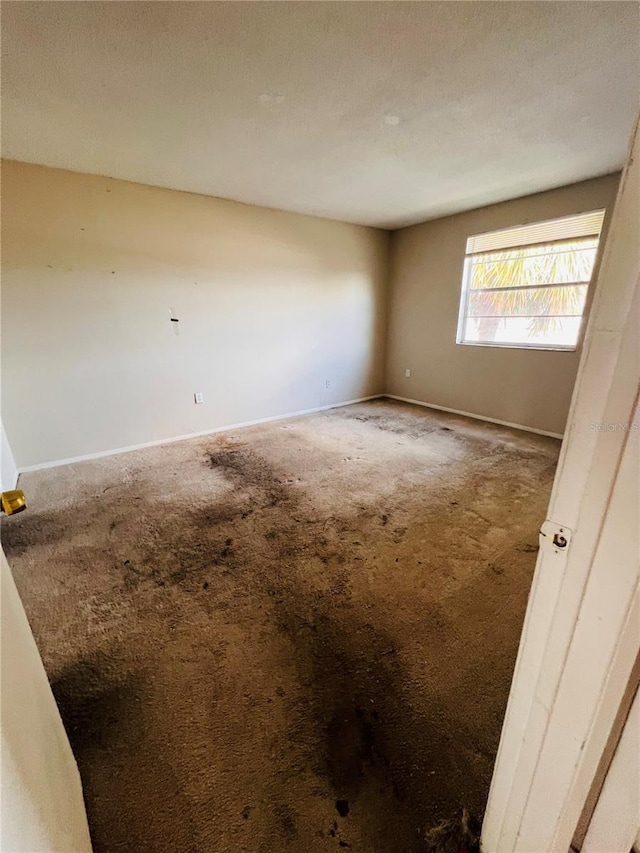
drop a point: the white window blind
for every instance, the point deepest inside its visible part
(527, 286)
(551, 230)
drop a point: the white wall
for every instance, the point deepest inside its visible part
(42, 805)
(8, 468)
(528, 387)
(271, 306)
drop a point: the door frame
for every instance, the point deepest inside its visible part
(582, 628)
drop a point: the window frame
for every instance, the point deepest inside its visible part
(465, 289)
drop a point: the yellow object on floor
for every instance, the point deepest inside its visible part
(13, 501)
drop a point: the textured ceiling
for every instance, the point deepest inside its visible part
(378, 113)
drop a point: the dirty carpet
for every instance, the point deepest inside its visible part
(294, 637)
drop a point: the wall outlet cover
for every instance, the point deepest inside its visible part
(198, 397)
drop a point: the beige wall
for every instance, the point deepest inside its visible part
(42, 805)
(271, 306)
(528, 387)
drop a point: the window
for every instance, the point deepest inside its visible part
(527, 286)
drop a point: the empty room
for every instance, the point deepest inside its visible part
(319, 427)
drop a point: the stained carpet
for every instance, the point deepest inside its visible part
(294, 637)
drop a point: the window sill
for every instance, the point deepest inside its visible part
(536, 347)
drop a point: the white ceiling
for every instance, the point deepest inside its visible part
(382, 113)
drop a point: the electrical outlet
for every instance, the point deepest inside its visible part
(198, 397)
(407, 373)
(327, 383)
